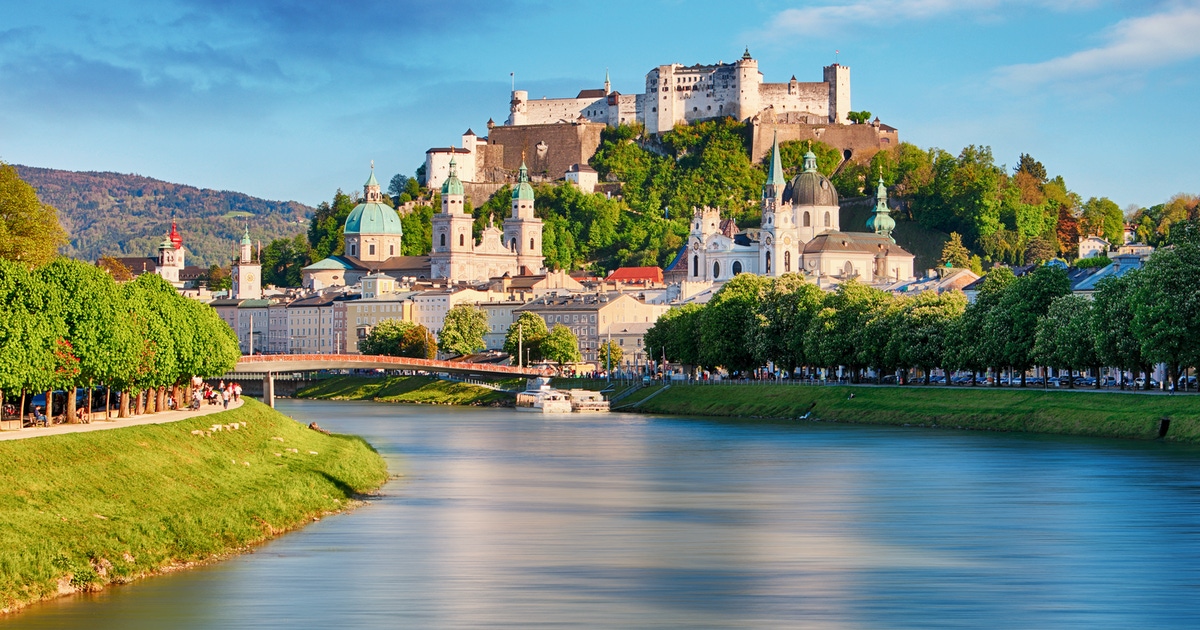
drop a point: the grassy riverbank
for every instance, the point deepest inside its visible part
(83, 510)
(1101, 414)
(406, 389)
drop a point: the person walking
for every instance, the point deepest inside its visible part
(237, 392)
(225, 397)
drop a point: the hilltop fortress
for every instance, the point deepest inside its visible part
(556, 134)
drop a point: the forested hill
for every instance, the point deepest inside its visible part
(129, 215)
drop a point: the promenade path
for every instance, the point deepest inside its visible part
(116, 423)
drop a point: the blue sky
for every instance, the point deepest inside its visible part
(292, 100)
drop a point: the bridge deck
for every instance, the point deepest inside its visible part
(275, 363)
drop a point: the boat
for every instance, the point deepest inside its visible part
(540, 397)
(587, 401)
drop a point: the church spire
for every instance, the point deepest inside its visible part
(607, 83)
(881, 222)
(775, 168)
(371, 192)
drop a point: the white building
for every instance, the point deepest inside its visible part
(584, 177)
(1093, 247)
(246, 272)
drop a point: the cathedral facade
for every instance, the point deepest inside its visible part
(801, 233)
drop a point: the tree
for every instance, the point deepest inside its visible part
(954, 254)
(1026, 164)
(1103, 217)
(29, 230)
(115, 268)
(729, 324)
(218, 278)
(463, 330)
(283, 259)
(925, 329)
(1166, 296)
(398, 338)
(610, 355)
(1038, 250)
(561, 346)
(1011, 326)
(1064, 337)
(968, 347)
(859, 118)
(1112, 325)
(788, 305)
(676, 336)
(834, 334)
(328, 222)
(525, 336)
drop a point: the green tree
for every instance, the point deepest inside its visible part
(29, 333)
(283, 259)
(1112, 325)
(327, 224)
(1064, 337)
(398, 338)
(969, 347)
(418, 231)
(1039, 250)
(29, 229)
(832, 337)
(1103, 217)
(676, 336)
(926, 329)
(788, 305)
(1166, 296)
(859, 118)
(610, 355)
(463, 330)
(218, 278)
(954, 254)
(525, 336)
(1012, 325)
(560, 346)
(730, 322)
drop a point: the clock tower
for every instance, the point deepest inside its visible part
(247, 274)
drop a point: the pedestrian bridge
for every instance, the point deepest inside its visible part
(270, 365)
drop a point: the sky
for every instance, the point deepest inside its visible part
(292, 99)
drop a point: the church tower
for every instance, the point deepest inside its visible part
(372, 232)
(246, 272)
(170, 256)
(881, 221)
(452, 256)
(780, 236)
(523, 230)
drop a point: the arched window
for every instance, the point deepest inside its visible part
(513, 246)
(371, 247)
(391, 250)
(768, 262)
(443, 240)
(807, 220)
(737, 267)
(716, 270)
(531, 244)
(353, 249)
(787, 262)
(827, 223)
(695, 266)
(849, 270)
(462, 240)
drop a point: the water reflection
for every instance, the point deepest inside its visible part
(513, 520)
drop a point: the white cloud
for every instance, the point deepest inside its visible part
(1138, 43)
(828, 19)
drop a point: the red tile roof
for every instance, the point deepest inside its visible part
(636, 274)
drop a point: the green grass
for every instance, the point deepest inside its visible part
(405, 389)
(83, 510)
(1134, 416)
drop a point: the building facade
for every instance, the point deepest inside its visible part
(246, 272)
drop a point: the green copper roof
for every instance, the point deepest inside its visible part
(880, 222)
(373, 218)
(371, 181)
(775, 169)
(246, 237)
(523, 191)
(333, 262)
(452, 185)
(810, 162)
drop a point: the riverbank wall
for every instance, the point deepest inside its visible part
(85, 510)
(425, 390)
(1080, 412)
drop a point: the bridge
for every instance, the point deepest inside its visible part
(269, 365)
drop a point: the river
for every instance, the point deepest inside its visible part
(509, 520)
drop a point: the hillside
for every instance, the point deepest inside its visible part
(922, 242)
(129, 215)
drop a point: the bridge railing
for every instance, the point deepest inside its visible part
(264, 362)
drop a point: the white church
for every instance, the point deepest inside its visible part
(801, 233)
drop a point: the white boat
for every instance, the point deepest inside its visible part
(540, 397)
(587, 401)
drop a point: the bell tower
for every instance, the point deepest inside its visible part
(246, 272)
(523, 230)
(453, 240)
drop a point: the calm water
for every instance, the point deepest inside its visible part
(506, 520)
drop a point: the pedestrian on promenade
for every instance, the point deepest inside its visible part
(196, 395)
(225, 397)
(237, 392)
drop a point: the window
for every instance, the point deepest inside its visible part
(353, 249)
(462, 239)
(513, 246)
(737, 267)
(371, 248)
(391, 250)
(443, 240)
(716, 270)
(827, 223)
(695, 266)
(807, 219)
(787, 262)
(531, 244)
(768, 262)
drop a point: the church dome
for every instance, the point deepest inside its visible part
(373, 218)
(810, 188)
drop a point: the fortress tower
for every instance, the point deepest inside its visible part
(838, 79)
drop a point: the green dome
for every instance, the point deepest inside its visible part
(246, 237)
(452, 185)
(373, 218)
(523, 191)
(880, 222)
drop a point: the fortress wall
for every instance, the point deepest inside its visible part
(563, 145)
(793, 97)
(863, 140)
(552, 110)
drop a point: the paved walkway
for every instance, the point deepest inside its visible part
(115, 423)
